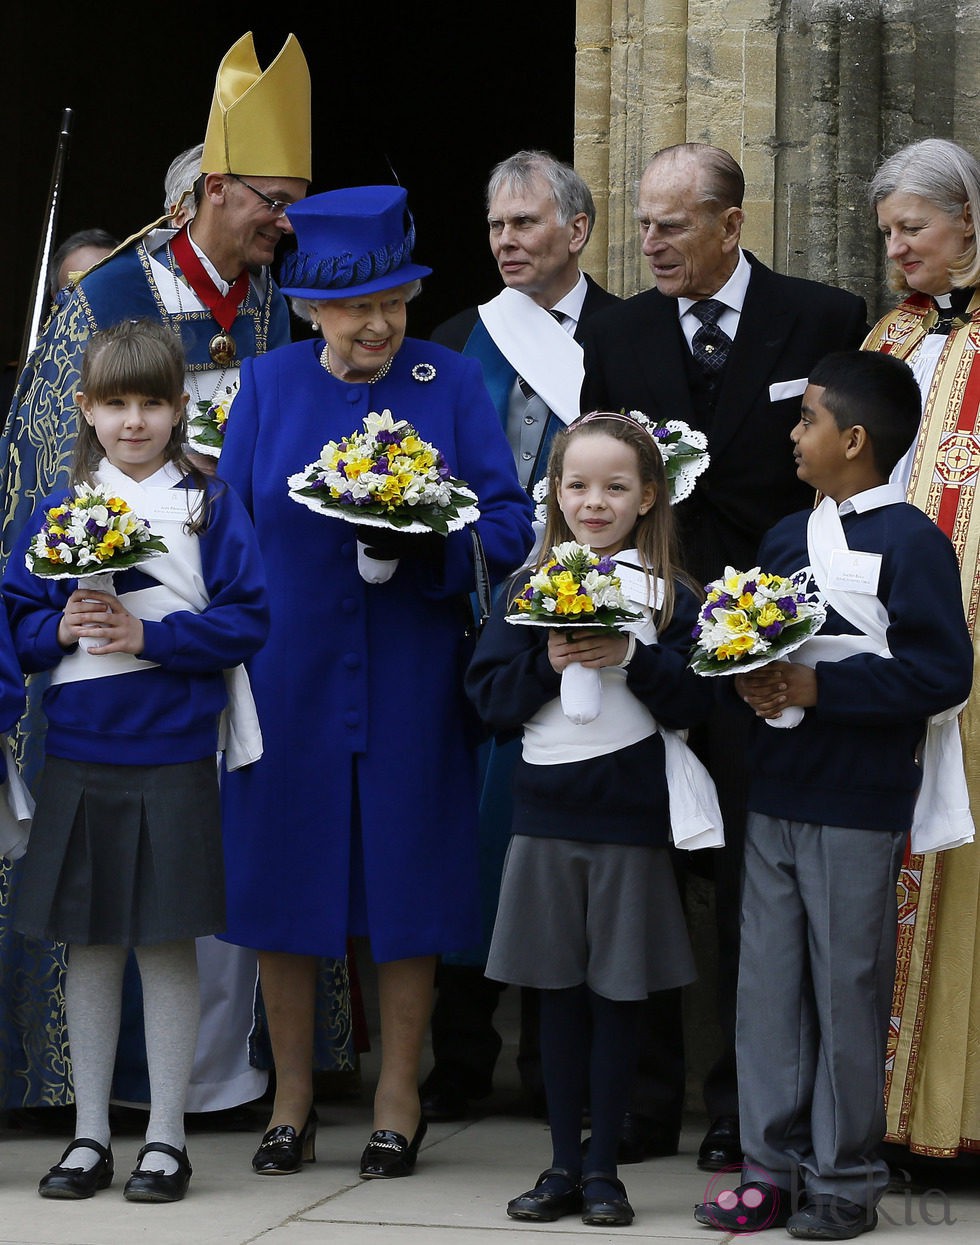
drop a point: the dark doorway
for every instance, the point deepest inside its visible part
(430, 94)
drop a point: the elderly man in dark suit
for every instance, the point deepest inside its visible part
(726, 344)
(540, 215)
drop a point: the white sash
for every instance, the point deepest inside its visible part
(16, 810)
(550, 738)
(180, 586)
(539, 348)
(942, 818)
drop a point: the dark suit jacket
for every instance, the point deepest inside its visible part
(636, 358)
(455, 331)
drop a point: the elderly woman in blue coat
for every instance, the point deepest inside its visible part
(360, 817)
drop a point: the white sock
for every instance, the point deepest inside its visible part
(171, 1017)
(93, 1000)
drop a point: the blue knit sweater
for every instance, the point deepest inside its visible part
(160, 715)
(852, 760)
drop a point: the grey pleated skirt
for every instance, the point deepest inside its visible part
(123, 855)
(604, 914)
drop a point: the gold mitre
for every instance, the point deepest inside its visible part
(260, 120)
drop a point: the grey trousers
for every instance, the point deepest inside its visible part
(819, 914)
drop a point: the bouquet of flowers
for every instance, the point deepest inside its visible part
(750, 618)
(90, 536)
(385, 476)
(206, 429)
(684, 451)
(575, 588)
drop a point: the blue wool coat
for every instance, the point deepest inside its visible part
(368, 764)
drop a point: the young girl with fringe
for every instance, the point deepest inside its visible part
(125, 850)
(589, 911)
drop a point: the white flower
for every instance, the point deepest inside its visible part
(569, 549)
(375, 423)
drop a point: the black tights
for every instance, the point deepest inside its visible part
(588, 1053)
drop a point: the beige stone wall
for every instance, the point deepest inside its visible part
(807, 94)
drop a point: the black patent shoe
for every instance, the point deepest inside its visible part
(145, 1185)
(541, 1205)
(78, 1182)
(387, 1154)
(283, 1150)
(603, 1210)
(721, 1146)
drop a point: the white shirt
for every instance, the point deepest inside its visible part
(732, 294)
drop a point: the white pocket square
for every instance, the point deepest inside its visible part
(787, 389)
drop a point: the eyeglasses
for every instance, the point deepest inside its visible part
(276, 207)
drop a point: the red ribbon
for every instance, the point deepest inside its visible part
(224, 307)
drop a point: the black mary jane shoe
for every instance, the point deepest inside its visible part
(283, 1150)
(144, 1185)
(77, 1182)
(387, 1154)
(540, 1205)
(606, 1212)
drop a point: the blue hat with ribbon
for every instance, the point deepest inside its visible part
(353, 241)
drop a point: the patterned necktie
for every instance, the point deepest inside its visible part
(710, 345)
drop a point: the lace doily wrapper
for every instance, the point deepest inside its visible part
(212, 451)
(354, 514)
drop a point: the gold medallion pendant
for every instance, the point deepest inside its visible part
(223, 349)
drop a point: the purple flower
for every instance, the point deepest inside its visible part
(696, 632)
(787, 605)
(380, 468)
(605, 566)
(770, 632)
(660, 434)
(385, 437)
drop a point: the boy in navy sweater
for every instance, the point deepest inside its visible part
(831, 804)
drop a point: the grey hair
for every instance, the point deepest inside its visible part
(184, 172)
(301, 306)
(723, 183)
(568, 189)
(948, 177)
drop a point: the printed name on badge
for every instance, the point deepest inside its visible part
(853, 571)
(636, 586)
(173, 504)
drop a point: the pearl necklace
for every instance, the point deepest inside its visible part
(380, 374)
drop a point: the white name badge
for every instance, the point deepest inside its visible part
(783, 389)
(637, 587)
(171, 505)
(852, 571)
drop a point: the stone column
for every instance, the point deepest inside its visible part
(808, 95)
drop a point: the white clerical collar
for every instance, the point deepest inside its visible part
(157, 238)
(571, 305)
(872, 499)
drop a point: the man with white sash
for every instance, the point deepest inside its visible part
(540, 215)
(831, 803)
